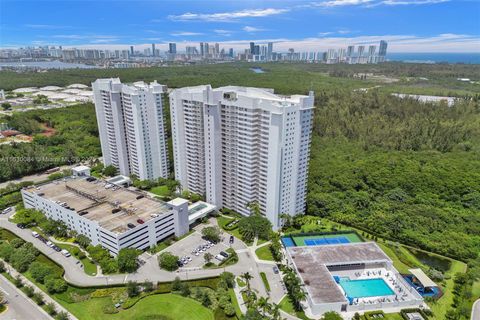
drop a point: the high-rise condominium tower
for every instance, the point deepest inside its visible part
(239, 145)
(131, 125)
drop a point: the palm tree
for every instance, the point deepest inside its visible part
(254, 207)
(298, 296)
(275, 311)
(247, 277)
(286, 220)
(263, 305)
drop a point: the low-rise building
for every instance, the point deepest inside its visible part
(112, 216)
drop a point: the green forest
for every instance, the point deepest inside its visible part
(401, 169)
(75, 139)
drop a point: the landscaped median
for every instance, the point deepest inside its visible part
(195, 299)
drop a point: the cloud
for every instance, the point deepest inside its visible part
(185, 34)
(340, 3)
(226, 33)
(370, 3)
(93, 38)
(252, 29)
(228, 16)
(411, 2)
(46, 26)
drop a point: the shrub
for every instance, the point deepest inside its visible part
(39, 271)
(127, 260)
(133, 289)
(29, 291)
(18, 282)
(38, 298)
(50, 308)
(168, 261)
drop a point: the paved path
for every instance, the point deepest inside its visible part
(19, 306)
(34, 177)
(149, 271)
(46, 297)
(476, 310)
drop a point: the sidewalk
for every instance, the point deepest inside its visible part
(46, 297)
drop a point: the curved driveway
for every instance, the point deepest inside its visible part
(476, 310)
(150, 271)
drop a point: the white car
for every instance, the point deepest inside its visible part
(66, 253)
(35, 234)
(219, 257)
(50, 244)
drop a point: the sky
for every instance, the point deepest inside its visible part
(407, 25)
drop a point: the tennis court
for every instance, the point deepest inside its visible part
(326, 239)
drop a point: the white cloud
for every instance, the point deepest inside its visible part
(252, 29)
(185, 34)
(411, 2)
(46, 26)
(228, 16)
(339, 3)
(226, 33)
(369, 3)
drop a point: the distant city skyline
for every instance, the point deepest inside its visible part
(407, 25)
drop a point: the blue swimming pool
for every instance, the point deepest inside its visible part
(365, 288)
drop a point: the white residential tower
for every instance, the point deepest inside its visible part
(238, 145)
(131, 125)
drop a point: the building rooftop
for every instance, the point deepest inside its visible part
(97, 200)
(312, 264)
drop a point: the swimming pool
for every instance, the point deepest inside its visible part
(365, 288)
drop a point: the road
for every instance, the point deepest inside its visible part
(19, 306)
(150, 271)
(34, 177)
(476, 310)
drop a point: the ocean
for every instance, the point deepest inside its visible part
(470, 58)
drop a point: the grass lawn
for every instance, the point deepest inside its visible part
(168, 305)
(441, 306)
(222, 221)
(399, 265)
(161, 191)
(234, 300)
(240, 282)
(287, 306)
(264, 253)
(260, 242)
(476, 289)
(265, 281)
(89, 267)
(393, 316)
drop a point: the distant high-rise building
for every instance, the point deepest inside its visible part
(202, 50)
(252, 48)
(371, 54)
(131, 51)
(382, 51)
(350, 51)
(360, 50)
(217, 49)
(206, 49)
(256, 49)
(172, 48)
(153, 49)
(131, 127)
(230, 52)
(269, 51)
(239, 145)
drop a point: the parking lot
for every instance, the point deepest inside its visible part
(194, 242)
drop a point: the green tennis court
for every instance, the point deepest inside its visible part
(320, 239)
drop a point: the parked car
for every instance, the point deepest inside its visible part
(275, 269)
(35, 234)
(66, 253)
(140, 221)
(223, 253)
(21, 225)
(57, 248)
(131, 225)
(50, 244)
(7, 210)
(232, 238)
(219, 257)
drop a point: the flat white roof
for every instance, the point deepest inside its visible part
(422, 277)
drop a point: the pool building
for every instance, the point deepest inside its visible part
(348, 276)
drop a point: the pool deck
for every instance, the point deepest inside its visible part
(312, 264)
